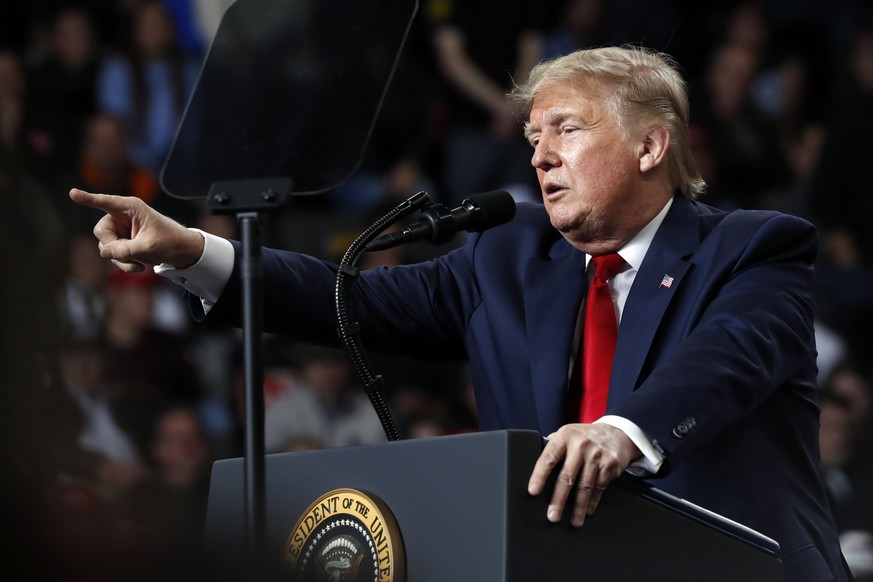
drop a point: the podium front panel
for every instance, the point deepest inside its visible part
(464, 514)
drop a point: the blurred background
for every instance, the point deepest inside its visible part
(113, 404)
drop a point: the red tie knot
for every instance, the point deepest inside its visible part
(607, 266)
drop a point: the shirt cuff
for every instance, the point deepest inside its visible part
(209, 275)
(652, 458)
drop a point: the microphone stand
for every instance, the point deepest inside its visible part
(349, 330)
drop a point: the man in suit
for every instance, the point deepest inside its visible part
(712, 392)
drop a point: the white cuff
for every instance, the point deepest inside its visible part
(652, 459)
(208, 276)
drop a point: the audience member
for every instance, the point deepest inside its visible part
(62, 87)
(140, 388)
(170, 506)
(582, 24)
(844, 285)
(484, 149)
(83, 301)
(837, 442)
(839, 193)
(325, 406)
(750, 163)
(399, 156)
(849, 383)
(847, 470)
(779, 93)
(837, 203)
(22, 137)
(115, 462)
(804, 151)
(105, 163)
(415, 408)
(149, 85)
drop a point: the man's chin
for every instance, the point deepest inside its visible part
(567, 226)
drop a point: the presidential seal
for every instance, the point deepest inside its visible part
(346, 535)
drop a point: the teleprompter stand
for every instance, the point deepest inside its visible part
(285, 104)
(246, 199)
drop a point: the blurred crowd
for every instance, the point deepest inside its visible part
(115, 403)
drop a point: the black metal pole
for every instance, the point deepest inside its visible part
(252, 309)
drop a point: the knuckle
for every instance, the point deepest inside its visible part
(549, 459)
(567, 432)
(614, 464)
(565, 479)
(606, 460)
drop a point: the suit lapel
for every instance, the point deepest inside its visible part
(658, 279)
(553, 292)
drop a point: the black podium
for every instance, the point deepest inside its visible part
(463, 514)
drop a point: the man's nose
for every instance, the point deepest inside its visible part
(544, 156)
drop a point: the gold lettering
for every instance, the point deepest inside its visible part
(384, 553)
(309, 524)
(378, 531)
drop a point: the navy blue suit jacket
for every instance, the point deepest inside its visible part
(718, 367)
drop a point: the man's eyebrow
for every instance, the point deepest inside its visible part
(559, 117)
(528, 130)
(556, 118)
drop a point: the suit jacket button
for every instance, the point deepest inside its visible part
(684, 427)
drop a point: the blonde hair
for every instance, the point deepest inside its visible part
(646, 89)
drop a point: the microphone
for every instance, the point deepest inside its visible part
(438, 224)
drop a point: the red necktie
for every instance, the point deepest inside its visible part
(599, 333)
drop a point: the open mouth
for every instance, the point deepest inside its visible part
(550, 188)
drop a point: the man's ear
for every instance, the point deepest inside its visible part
(654, 149)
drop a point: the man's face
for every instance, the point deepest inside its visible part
(589, 174)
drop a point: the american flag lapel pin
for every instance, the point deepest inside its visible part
(666, 282)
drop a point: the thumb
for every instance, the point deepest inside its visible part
(129, 267)
(122, 251)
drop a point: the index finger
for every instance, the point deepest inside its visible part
(103, 202)
(552, 454)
